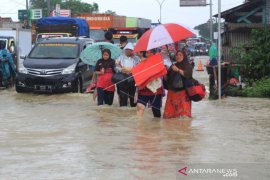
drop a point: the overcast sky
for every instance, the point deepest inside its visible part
(171, 12)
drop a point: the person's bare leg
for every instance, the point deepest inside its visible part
(140, 110)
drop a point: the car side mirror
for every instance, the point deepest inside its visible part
(81, 64)
(22, 57)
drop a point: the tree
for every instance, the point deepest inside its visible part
(76, 6)
(110, 12)
(204, 29)
(257, 57)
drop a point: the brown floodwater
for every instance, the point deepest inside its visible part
(66, 136)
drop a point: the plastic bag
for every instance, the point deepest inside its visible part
(175, 82)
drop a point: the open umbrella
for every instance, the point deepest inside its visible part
(91, 54)
(161, 35)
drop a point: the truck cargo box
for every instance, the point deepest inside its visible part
(144, 23)
(104, 21)
(133, 22)
(75, 26)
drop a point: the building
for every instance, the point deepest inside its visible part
(5, 20)
(239, 21)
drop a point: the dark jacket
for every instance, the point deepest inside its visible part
(175, 81)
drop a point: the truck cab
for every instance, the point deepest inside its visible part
(41, 36)
(132, 34)
(61, 27)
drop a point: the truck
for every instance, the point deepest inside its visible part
(9, 42)
(99, 23)
(61, 27)
(18, 42)
(133, 29)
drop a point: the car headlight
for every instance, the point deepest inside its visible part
(23, 70)
(69, 69)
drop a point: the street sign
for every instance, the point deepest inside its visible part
(22, 14)
(35, 13)
(65, 12)
(62, 12)
(185, 3)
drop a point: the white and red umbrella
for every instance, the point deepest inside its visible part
(161, 35)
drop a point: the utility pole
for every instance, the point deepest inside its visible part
(49, 7)
(211, 22)
(27, 10)
(160, 8)
(219, 49)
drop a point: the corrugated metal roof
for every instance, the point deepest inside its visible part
(248, 6)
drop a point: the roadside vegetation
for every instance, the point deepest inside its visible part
(257, 65)
(76, 6)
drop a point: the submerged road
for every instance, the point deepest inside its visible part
(68, 137)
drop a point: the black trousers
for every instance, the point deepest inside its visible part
(155, 101)
(212, 94)
(125, 93)
(105, 96)
(211, 84)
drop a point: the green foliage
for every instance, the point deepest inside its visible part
(257, 58)
(204, 29)
(76, 6)
(110, 12)
(260, 88)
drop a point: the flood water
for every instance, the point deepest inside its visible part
(66, 136)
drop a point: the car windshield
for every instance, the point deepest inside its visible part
(55, 51)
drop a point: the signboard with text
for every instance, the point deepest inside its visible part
(62, 12)
(186, 3)
(22, 14)
(35, 13)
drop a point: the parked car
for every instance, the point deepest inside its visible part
(200, 48)
(54, 65)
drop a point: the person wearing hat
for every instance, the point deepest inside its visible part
(124, 64)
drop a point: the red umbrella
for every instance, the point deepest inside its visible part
(161, 35)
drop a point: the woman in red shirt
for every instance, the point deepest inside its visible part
(105, 70)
